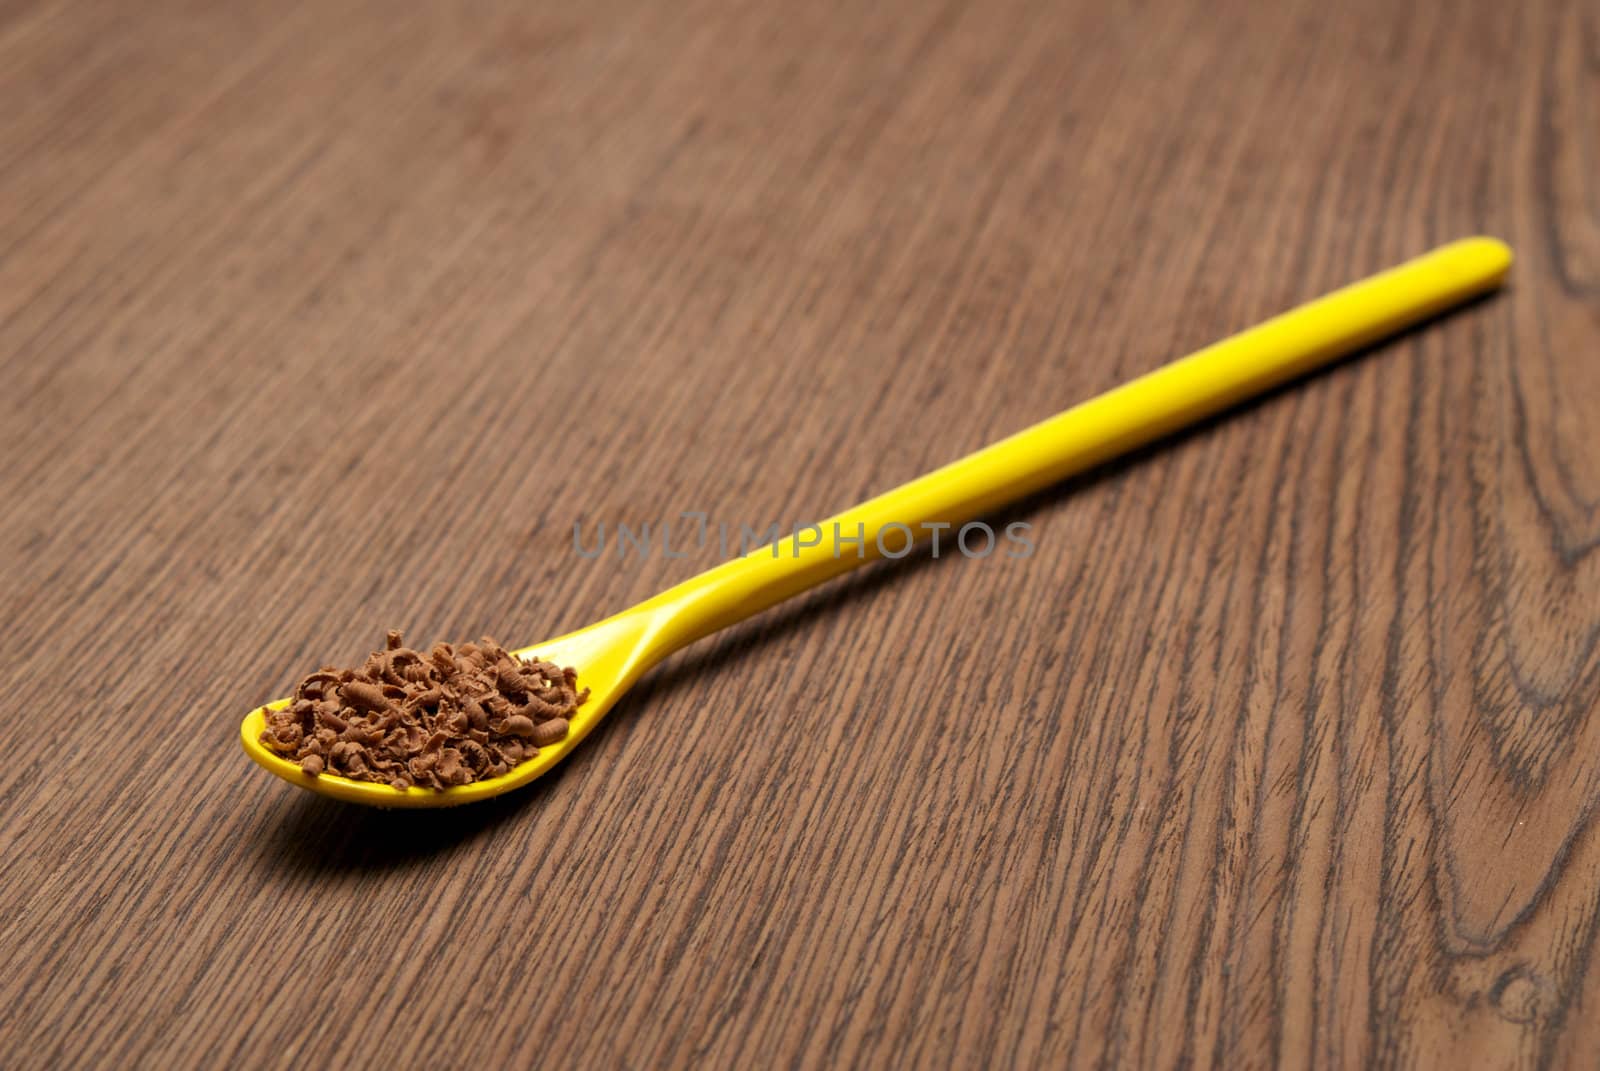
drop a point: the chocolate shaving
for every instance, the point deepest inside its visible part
(450, 717)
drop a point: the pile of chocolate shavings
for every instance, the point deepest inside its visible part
(449, 717)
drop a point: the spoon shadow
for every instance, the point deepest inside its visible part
(320, 835)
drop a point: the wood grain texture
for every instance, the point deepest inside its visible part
(320, 318)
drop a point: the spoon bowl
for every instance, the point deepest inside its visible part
(609, 657)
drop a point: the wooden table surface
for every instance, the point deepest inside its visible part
(322, 318)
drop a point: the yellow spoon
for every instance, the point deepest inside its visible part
(611, 655)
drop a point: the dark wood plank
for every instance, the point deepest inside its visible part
(1284, 746)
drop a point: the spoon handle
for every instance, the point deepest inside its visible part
(1090, 433)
